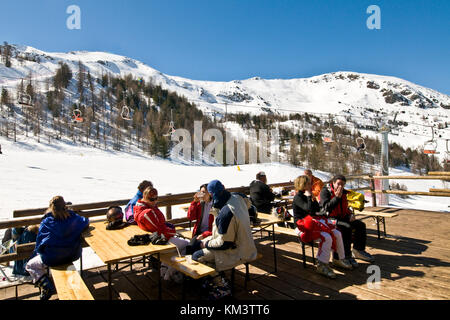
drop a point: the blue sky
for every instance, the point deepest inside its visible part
(239, 39)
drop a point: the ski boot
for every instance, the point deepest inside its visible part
(46, 286)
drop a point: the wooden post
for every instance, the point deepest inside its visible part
(168, 212)
(372, 189)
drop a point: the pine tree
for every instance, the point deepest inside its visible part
(81, 77)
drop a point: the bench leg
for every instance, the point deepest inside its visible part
(183, 292)
(109, 282)
(159, 278)
(303, 252)
(247, 276)
(384, 226)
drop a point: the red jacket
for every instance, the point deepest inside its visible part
(151, 219)
(311, 228)
(195, 212)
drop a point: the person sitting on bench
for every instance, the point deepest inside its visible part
(311, 226)
(129, 208)
(58, 242)
(231, 242)
(199, 210)
(333, 201)
(149, 218)
(261, 194)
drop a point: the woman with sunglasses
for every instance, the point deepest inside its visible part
(151, 219)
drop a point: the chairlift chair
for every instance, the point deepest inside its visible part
(171, 129)
(77, 116)
(430, 146)
(125, 114)
(171, 126)
(25, 100)
(447, 153)
(360, 144)
(328, 134)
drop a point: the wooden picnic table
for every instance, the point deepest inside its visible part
(111, 246)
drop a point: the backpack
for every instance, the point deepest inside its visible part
(355, 200)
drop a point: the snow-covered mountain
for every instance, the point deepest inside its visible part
(358, 99)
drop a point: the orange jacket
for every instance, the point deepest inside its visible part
(316, 186)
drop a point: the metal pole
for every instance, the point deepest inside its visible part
(384, 161)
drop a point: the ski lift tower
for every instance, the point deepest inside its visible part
(384, 163)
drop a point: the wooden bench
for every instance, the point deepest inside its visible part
(69, 284)
(380, 214)
(189, 270)
(194, 271)
(291, 232)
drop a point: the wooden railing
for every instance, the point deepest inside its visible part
(432, 175)
(27, 217)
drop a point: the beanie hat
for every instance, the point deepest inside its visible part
(215, 188)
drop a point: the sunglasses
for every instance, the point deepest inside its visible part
(153, 199)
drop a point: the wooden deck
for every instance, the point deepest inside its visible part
(414, 260)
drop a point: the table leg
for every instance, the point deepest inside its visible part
(274, 248)
(159, 278)
(384, 226)
(81, 265)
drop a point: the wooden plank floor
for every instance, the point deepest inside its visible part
(414, 261)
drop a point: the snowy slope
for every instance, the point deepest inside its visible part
(32, 173)
(356, 98)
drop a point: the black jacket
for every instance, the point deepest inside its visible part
(261, 196)
(304, 205)
(333, 206)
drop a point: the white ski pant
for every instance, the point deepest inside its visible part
(324, 253)
(325, 243)
(36, 268)
(181, 244)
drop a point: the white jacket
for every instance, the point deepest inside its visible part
(238, 232)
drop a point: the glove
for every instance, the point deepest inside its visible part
(159, 239)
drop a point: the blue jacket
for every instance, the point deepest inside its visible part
(129, 209)
(59, 241)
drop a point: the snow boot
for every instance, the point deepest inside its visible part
(46, 286)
